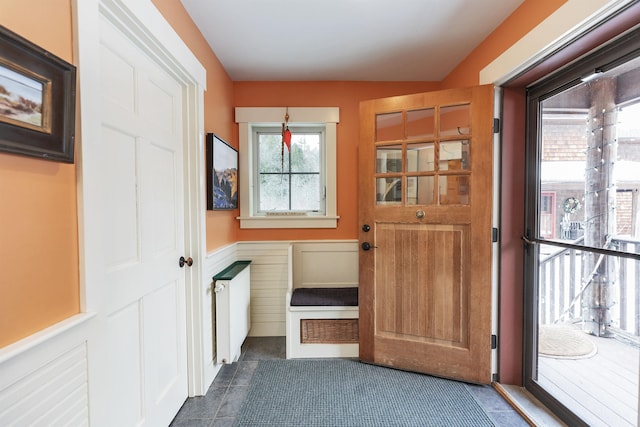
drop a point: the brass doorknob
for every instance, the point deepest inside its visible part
(419, 214)
(182, 261)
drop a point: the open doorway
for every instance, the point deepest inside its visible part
(583, 254)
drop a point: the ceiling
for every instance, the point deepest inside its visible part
(348, 40)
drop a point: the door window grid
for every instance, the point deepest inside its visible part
(407, 146)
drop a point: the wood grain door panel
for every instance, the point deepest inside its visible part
(424, 293)
(425, 193)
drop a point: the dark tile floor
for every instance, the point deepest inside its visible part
(222, 402)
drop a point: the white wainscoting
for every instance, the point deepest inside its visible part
(44, 378)
(309, 263)
(273, 265)
(270, 266)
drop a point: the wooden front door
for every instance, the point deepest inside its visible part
(425, 232)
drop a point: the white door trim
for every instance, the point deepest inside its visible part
(148, 28)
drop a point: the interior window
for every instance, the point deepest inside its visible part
(289, 178)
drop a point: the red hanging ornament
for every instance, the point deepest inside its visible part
(287, 138)
(282, 151)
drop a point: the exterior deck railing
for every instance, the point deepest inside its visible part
(561, 285)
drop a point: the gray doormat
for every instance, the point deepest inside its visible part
(342, 392)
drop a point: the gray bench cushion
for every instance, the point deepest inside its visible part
(309, 297)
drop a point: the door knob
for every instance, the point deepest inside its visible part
(366, 246)
(182, 261)
(366, 228)
(420, 214)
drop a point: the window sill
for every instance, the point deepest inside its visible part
(302, 221)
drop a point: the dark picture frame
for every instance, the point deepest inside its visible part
(222, 174)
(37, 100)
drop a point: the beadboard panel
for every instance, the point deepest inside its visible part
(268, 273)
(269, 310)
(47, 383)
(274, 265)
(270, 266)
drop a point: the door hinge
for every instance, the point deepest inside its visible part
(495, 378)
(494, 342)
(496, 125)
(494, 235)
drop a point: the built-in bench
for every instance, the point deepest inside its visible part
(322, 322)
(322, 303)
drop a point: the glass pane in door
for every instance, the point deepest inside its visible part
(389, 159)
(595, 377)
(421, 123)
(454, 189)
(389, 127)
(455, 120)
(588, 303)
(454, 155)
(420, 157)
(389, 191)
(420, 190)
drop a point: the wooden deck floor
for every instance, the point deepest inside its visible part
(603, 389)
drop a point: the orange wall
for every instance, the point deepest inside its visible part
(346, 96)
(519, 23)
(218, 109)
(39, 282)
(38, 217)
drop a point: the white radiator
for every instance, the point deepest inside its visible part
(233, 313)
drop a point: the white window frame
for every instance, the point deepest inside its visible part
(317, 130)
(250, 117)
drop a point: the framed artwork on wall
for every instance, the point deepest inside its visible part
(37, 100)
(222, 174)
